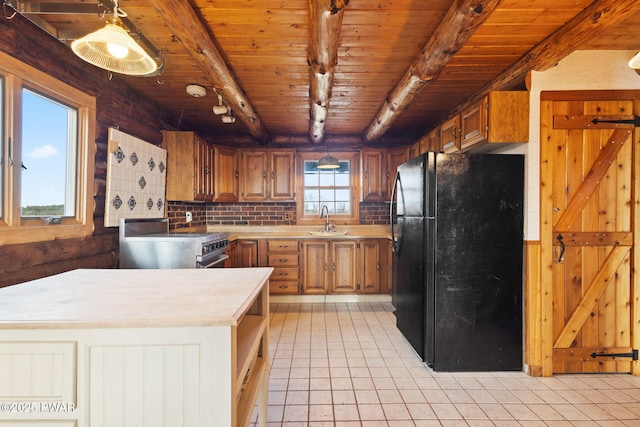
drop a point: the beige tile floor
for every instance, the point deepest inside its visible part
(346, 364)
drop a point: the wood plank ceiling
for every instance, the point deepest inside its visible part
(376, 72)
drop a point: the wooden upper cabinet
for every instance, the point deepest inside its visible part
(414, 150)
(450, 135)
(395, 157)
(226, 166)
(432, 141)
(267, 175)
(254, 169)
(282, 174)
(189, 167)
(374, 175)
(500, 117)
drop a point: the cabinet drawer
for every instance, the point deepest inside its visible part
(283, 287)
(277, 260)
(282, 245)
(285, 273)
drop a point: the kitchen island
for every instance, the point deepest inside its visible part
(93, 348)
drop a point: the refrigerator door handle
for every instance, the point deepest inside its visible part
(394, 243)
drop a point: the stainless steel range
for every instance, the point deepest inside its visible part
(149, 244)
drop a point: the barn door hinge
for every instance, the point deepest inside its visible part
(635, 121)
(633, 355)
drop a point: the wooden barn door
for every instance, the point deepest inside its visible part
(588, 226)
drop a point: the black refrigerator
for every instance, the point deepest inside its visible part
(457, 228)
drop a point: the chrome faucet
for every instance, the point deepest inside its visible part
(324, 209)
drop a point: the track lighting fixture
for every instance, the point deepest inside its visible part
(221, 108)
(229, 117)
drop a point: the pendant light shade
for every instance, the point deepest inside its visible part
(113, 49)
(328, 162)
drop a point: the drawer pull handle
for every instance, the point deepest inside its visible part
(283, 287)
(283, 246)
(282, 260)
(284, 274)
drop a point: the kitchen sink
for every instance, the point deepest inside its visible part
(328, 233)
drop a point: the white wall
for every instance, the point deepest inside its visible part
(582, 70)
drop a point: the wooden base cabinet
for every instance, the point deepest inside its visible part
(315, 266)
(247, 253)
(283, 255)
(344, 272)
(342, 266)
(372, 271)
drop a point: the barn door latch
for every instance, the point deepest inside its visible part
(633, 355)
(635, 121)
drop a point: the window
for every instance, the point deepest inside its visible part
(49, 142)
(335, 188)
(48, 155)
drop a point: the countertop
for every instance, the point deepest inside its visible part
(132, 298)
(304, 232)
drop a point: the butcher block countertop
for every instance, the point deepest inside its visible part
(304, 231)
(132, 298)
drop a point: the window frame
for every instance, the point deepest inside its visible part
(354, 164)
(13, 228)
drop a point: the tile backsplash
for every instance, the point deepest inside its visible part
(136, 179)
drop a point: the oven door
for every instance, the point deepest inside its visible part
(212, 261)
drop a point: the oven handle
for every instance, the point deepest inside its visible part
(221, 258)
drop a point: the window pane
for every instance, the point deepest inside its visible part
(311, 194)
(310, 179)
(311, 166)
(343, 208)
(327, 179)
(327, 195)
(49, 141)
(311, 208)
(342, 195)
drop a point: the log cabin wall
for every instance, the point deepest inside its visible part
(118, 106)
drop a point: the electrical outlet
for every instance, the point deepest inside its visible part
(287, 216)
(189, 217)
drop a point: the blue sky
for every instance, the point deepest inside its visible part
(44, 136)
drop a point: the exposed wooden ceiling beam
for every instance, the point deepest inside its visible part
(461, 21)
(599, 16)
(325, 20)
(185, 25)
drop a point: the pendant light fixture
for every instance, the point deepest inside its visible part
(328, 161)
(112, 48)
